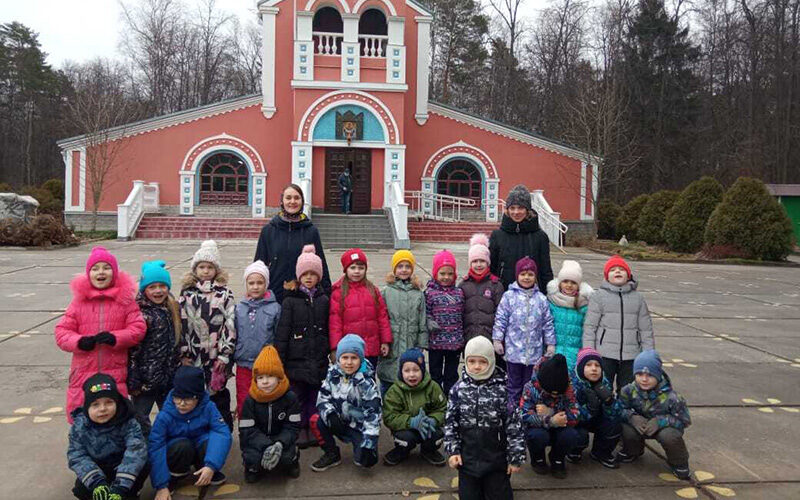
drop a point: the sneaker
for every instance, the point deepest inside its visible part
(395, 456)
(625, 458)
(574, 458)
(217, 479)
(294, 469)
(559, 469)
(433, 457)
(681, 471)
(608, 461)
(251, 476)
(326, 461)
(540, 466)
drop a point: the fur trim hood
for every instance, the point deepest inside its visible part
(189, 279)
(123, 290)
(556, 297)
(391, 279)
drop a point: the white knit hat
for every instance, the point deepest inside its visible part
(479, 248)
(482, 347)
(257, 267)
(570, 270)
(208, 252)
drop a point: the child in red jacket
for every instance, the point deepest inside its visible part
(102, 322)
(358, 307)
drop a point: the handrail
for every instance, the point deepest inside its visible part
(143, 198)
(549, 220)
(436, 206)
(398, 211)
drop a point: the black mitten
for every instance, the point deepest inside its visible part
(87, 343)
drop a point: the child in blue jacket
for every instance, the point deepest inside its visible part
(189, 431)
(107, 450)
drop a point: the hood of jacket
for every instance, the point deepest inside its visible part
(284, 225)
(410, 284)
(255, 303)
(630, 286)
(528, 225)
(514, 287)
(189, 279)
(122, 291)
(555, 295)
(172, 410)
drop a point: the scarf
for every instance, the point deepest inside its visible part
(479, 277)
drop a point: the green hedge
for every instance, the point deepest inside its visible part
(749, 222)
(650, 225)
(687, 219)
(607, 214)
(626, 222)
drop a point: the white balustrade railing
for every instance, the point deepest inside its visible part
(327, 44)
(373, 46)
(398, 211)
(142, 199)
(549, 220)
(437, 206)
(305, 185)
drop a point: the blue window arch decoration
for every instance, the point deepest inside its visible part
(325, 129)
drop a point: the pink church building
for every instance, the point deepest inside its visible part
(344, 86)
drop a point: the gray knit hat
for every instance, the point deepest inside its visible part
(519, 195)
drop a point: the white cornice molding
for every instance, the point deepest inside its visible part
(171, 120)
(332, 85)
(419, 8)
(508, 132)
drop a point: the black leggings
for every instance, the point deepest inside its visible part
(444, 368)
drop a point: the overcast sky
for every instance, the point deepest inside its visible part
(84, 29)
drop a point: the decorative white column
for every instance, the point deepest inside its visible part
(396, 51)
(492, 204)
(429, 187)
(423, 66)
(187, 193)
(394, 168)
(258, 194)
(304, 47)
(301, 170)
(351, 51)
(268, 59)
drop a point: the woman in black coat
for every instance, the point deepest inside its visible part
(519, 236)
(282, 241)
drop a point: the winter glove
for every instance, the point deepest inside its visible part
(336, 425)
(592, 402)
(416, 421)
(639, 423)
(369, 457)
(429, 426)
(87, 343)
(551, 349)
(432, 325)
(652, 427)
(604, 393)
(271, 456)
(115, 496)
(498, 347)
(106, 338)
(101, 493)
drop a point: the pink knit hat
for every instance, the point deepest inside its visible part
(479, 248)
(441, 259)
(100, 254)
(309, 261)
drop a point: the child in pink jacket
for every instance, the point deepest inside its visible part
(101, 323)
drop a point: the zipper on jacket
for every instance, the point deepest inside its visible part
(101, 325)
(621, 325)
(602, 336)
(269, 421)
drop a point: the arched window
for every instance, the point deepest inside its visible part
(327, 28)
(459, 178)
(372, 33)
(224, 180)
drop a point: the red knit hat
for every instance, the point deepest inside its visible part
(352, 256)
(100, 254)
(442, 259)
(614, 261)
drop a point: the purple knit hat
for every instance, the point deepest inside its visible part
(584, 356)
(526, 264)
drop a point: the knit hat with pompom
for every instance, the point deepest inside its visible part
(479, 248)
(309, 261)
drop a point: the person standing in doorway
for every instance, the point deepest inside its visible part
(346, 188)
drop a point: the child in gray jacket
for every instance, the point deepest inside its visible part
(618, 324)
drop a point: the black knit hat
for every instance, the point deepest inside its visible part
(552, 375)
(189, 382)
(99, 385)
(519, 195)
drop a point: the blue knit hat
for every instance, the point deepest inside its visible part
(411, 356)
(648, 362)
(350, 343)
(154, 271)
(189, 382)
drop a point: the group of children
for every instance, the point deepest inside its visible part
(539, 364)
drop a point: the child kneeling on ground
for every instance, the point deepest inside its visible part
(188, 431)
(600, 411)
(270, 420)
(413, 410)
(107, 450)
(349, 405)
(483, 439)
(653, 410)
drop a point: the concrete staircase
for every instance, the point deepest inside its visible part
(336, 231)
(427, 230)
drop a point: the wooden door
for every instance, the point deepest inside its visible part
(359, 161)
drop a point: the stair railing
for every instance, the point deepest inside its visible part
(398, 215)
(143, 198)
(436, 206)
(549, 220)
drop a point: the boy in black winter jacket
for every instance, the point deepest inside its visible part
(270, 421)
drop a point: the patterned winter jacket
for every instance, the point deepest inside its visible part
(479, 428)
(152, 363)
(480, 304)
(662, 402)
(611, 411)
(208, 322)
(533, 394)
(524, 324)
(355, 398)
(121, 445)
(568, 320)
(256, 322)
(444, 308)
(405, 304)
